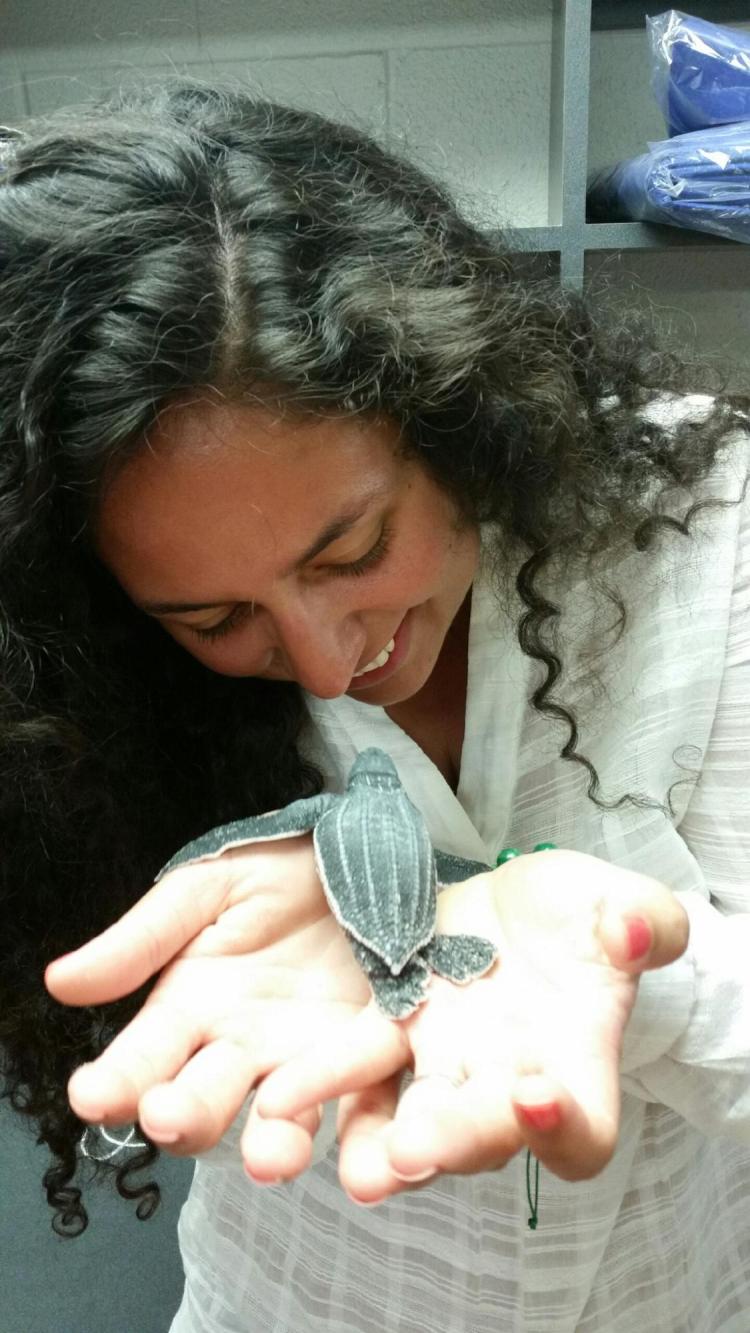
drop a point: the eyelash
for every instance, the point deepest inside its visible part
(234, 618)
(356, 568)
(368, 560)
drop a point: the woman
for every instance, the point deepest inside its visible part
(293, 464)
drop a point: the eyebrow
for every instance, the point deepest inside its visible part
(338, 527)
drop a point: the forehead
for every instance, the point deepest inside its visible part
(237, 477)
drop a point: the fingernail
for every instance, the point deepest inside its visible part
(419, 1175)
(639, 937)
(94, 1114)
(546, 1116)
(161, 1135)
(258, 1180)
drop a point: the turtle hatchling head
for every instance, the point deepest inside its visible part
(374, 768)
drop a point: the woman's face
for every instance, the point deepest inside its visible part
(290, 548)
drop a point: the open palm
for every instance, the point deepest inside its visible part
(258, 987)
(253, 969)
(526, 1055)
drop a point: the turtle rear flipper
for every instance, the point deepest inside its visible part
(459, 958)
(396, 997)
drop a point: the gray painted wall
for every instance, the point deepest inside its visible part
(120, 1276)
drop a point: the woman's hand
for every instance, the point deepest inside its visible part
(526, 1056)
(255, 969)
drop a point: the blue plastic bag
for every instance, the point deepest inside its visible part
(700, 71)
(700, 181)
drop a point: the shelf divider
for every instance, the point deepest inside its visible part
(652, 236)
(568, 142)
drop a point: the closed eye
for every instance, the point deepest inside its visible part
(240, 613)
(367, 561)
(237, 616)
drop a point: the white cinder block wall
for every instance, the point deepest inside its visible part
(463, 85)
(435, 74)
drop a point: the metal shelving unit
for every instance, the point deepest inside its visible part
(569, 235)
(607, 15)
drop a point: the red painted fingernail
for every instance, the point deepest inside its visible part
(545, 1116)
(639, 938)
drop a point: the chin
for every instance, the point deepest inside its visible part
(388, 695)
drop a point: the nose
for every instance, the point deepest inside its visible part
(319, 646)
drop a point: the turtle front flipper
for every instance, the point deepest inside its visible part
(396, 997)
(454, 869)
(295, 819)
(459, 958)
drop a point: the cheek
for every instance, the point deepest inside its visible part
(430, 564)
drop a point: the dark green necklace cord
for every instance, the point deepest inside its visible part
(507, 854)
(532, 1198)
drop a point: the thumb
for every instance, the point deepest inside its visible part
(649, 930)
(137, 946)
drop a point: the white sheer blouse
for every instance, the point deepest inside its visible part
(660, 1240)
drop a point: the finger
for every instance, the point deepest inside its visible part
(138, 945)
(364, 1120)
(360, 1052)
(277, 1150)
(649, 930)
(567, 1097)
(573, 1143)
(192, 1111)
(152, 1048)
(479, 1127)
(448, 1125)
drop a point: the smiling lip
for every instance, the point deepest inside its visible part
(400, 649)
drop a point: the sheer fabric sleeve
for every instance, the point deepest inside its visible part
(705, 1074)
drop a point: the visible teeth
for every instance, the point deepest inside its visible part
(378, 661)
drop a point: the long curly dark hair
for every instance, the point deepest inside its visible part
(192, 238)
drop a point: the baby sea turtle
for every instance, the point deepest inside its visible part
(380, 875)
